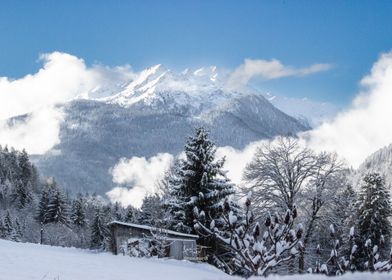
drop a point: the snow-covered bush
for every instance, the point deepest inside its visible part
(253, 250)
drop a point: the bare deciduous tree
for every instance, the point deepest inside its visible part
(284, 173)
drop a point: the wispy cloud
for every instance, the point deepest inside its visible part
(269, 70)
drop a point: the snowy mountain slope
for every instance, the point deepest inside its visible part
(95, 135)
(305, 109)
(21, 261)
(154, 113)
(380, 161)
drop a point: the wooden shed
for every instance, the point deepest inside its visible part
(179, 245)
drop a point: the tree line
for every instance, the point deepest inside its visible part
(296, 212)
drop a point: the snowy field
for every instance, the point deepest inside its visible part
(19, 261)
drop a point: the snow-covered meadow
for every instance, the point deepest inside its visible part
(26, 261)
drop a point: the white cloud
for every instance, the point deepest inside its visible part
(141, 175)
(61, 78)
(237, 159)
(269, 70)
(366, 125)
(37, 134)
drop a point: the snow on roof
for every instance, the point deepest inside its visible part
(154, 229)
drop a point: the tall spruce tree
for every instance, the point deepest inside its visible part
(42, 213)
(8, 226)
(22, 193)
(199, 182)
(117, 212)
(373, 212)
(130, 214)
(58, 211)
(78, 215)
(99, 231)
(2, 228)
(151, 212)
(25, 168)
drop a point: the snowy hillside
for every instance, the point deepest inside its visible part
(155, 113)
(22, 261)
(381, 162)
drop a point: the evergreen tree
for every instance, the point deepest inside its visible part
(8, 226)
(25, 168)
(17, 233)
(43, 205)
(78, 216)
(151, 212)
(197, 182)
(22, 193)
(2, 228)
(99, 231)
(58, 211)
(373, 213)
(117, 211)
(130, 215)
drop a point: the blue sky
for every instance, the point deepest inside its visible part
(348, 34)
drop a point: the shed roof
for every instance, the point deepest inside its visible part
(171, 232)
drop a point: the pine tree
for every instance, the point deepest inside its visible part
(198, 181)
(130, 215)
(99, 231)
(78, 216)
(58, 211)
(23, 180)
(22, 193)
(25, 168)
(373, 212)
(151, 212)
(17, 234)
(2, 228)
(8, 226)
(43, 205)
(117, 212)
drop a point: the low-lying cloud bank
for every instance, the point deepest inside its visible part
(62, 77)
(141, 174)
(366, 125)
(138, 176)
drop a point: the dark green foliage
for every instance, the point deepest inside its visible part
(130, 214)
(43, 205)
(117, 212)
(198, 181)
(57, 211)
(22, 194)
(78, 216)
(8, 225)
(373, 213)
(151, 212)
(99, 231)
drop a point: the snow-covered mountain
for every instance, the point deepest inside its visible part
(151, 113)
(160, 88)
